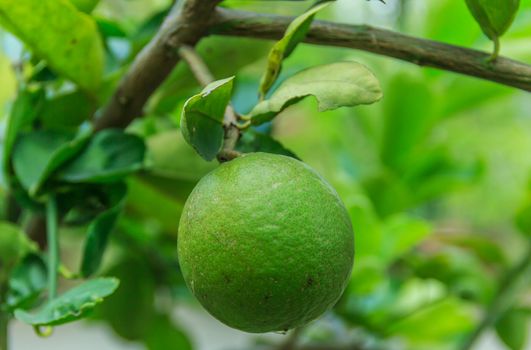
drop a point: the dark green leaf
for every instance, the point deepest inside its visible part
(108, 157)
(38, 154)
(295, 33)
(67, 112)
(72, 305)
(59, 33)
(512, 328)
(333, 85)
(494, 16)
(26, 283)
(202, 118)
(25, 109)
(99, 230)
(255, 141)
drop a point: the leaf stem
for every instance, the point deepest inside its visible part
(496, 51)
(53, 246)
(508, 287)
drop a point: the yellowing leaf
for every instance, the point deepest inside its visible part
(333, 85)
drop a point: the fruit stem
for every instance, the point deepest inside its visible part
(507, 288)
(53, 246)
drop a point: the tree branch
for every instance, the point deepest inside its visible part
(198, 18)
(380, 41)
(185, 25)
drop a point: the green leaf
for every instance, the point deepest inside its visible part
(402, 234)
(59, 33)
(171, 157)
(25, 109)
(494, 16)
(67, 111)
(202, 118)
(100, 229)
(26, 283)
(14, 245)
(512, 328)
(444, 321)
(333, 85)
(38, 154)
(523, 218)
(255, 141)
(72, 305)
(85, 5)
(109, 157)
(163, 335)
(295, 33)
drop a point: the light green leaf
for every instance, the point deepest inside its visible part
(494, 16)
(512, 328)
(333, 85)
(38, 154)
(109, 156)
(295, 33)
(60, 34)
(202, 118)
(72, 305)
(99, 230)
(401, 234)
(445, 321)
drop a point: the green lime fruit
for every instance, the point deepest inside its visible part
(265, 243)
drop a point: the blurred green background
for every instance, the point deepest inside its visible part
(436, 177)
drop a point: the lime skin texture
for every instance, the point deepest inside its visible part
(265, 244)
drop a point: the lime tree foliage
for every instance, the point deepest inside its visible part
(155, 154)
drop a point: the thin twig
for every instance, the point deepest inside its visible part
(196, 65)
(380, 41)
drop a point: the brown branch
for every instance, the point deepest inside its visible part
(185, 25)
(380, 41)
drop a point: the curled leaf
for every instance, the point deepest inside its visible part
(333, 85)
